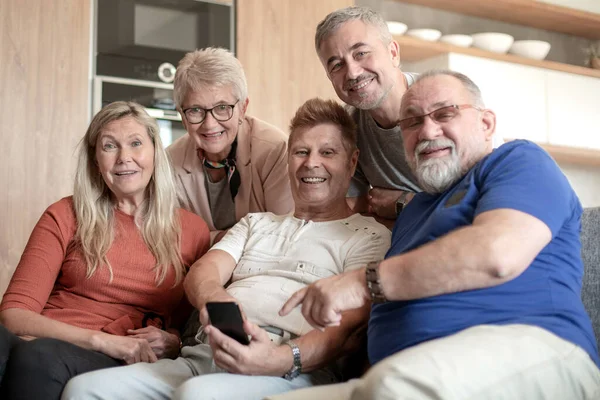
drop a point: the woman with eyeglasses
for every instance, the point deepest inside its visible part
(229, 164)
(100, 282)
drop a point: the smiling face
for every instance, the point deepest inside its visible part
(320, 168)
(360, 66)
(125, 158)
(440, 153)
(212, 136)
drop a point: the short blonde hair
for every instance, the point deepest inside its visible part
(212, 66)
(158, 220)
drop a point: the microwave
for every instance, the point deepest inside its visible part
(156, 97)
(145, 39)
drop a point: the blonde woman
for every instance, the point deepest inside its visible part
(103, 270)
(229, 163)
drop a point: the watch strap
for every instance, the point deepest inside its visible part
(401, 202)
(373, 283)
(297, 365)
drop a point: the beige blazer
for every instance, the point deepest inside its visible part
(262, 162)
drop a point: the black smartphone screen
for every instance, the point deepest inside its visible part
(228, 318)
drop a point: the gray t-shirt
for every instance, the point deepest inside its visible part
(222, 207)
(381, 162)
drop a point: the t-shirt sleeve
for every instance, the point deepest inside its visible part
(234, 241)
(526, 178)
(42, 260)
(369, 246)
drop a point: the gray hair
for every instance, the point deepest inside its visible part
(211, 66)
(467, 83)
(337, 18)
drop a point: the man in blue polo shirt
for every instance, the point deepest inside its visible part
(479, 294)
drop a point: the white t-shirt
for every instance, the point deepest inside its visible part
(278, 255)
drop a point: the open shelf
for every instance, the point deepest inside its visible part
(571, 155)
(413, 49)
(531, 13)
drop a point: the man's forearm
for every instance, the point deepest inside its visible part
(477, 256)
(207, 277)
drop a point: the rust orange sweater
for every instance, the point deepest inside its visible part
(50, 278)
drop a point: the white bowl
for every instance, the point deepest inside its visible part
(396, 28)
(493, 41)
(430, 35)
(536, 49)
(457, 40)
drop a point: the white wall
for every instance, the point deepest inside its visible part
(586, 182)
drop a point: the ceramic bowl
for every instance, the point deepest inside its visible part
(536, 49)
(431, 35)
(493, 41)
(457, 40)
(396, 28)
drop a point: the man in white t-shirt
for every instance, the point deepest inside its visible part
(265, 259)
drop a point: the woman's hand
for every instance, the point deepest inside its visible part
(129, 349)
(162, 343)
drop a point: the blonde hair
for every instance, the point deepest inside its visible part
(158, 219)
(211, 66)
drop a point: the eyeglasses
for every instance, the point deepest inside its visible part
(220, 112)
(439, 116)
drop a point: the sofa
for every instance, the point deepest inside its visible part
(590, 252)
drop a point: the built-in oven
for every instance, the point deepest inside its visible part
(145, 39)
(156, 97)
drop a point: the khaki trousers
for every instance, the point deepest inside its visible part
(510, 362)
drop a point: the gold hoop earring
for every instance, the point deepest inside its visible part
(240, 122)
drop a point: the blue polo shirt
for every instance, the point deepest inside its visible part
(518, 175)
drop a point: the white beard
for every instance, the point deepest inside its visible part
(437, 174)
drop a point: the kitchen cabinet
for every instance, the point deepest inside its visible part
(515, 92)
(44, 111)
(275, 43)
(573, 105)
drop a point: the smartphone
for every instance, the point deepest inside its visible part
(228, 318)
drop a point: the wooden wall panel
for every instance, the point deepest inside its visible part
(44, 106)
(275, 43)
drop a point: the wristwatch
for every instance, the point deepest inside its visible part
(401, 202)
(374, 284)
(297, 366)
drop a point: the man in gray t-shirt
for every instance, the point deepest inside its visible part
(362, 62)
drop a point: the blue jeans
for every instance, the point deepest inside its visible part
(191, 376)
(40, 368)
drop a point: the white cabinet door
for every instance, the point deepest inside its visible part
(573, 110)
(517, 93)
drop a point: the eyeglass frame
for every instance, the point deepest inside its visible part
(455, 106)
(209, 110)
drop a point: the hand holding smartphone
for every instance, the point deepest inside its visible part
(228, 319)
